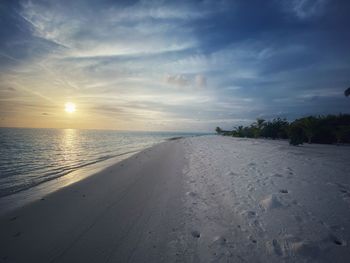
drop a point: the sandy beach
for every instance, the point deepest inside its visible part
(196, 199)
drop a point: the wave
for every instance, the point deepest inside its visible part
(55, 173)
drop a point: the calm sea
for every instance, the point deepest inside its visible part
(29, 157)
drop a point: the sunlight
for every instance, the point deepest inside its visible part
(69, 107)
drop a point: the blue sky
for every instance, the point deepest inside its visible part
(171, 65)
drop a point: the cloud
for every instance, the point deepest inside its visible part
(201, 81)
(306, 9)
(12, 89)
(178, 80)
(112, 31)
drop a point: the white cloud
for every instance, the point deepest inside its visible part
(113, 31)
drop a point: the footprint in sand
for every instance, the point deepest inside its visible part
(195, 234)
(338, 242)
(219, 249)
(335, 240)
(252, 165)
(346, 194)
(274, 247)
(305, 248)
(249, 214)
(17, 234)
(230, 173)
(337, 228)
(192, 194)
(251, 189)
(271, 202)
(219, 240)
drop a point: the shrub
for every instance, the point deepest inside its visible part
(296, 134)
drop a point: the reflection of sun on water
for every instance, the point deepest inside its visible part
(69, 107)
(69, 144)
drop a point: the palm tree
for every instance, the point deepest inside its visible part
(257, 127)
(260, 123)
(347, 92)
(218, 130)
(238, 131)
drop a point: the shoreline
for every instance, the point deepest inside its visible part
(65, 223)
(23, 197)
(197, 199)
(48, 155)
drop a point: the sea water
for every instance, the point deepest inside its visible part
(30, 157)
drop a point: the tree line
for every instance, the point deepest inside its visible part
(311, 129)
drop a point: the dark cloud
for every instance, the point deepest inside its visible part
(179, 80)
(11, 89)
(17, 39)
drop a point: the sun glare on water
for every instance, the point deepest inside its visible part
(69, 107)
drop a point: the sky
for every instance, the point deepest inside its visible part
(171, 65)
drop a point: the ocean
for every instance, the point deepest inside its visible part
(30, 157)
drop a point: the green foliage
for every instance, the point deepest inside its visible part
(257, 127)
(218, 130)
(309, 126)
(342, 133)
(275, 129)
(296, 133)
(311, 129)
(347, 92)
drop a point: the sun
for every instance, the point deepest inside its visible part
(69, 107)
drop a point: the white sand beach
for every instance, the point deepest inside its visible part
(197, 199)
